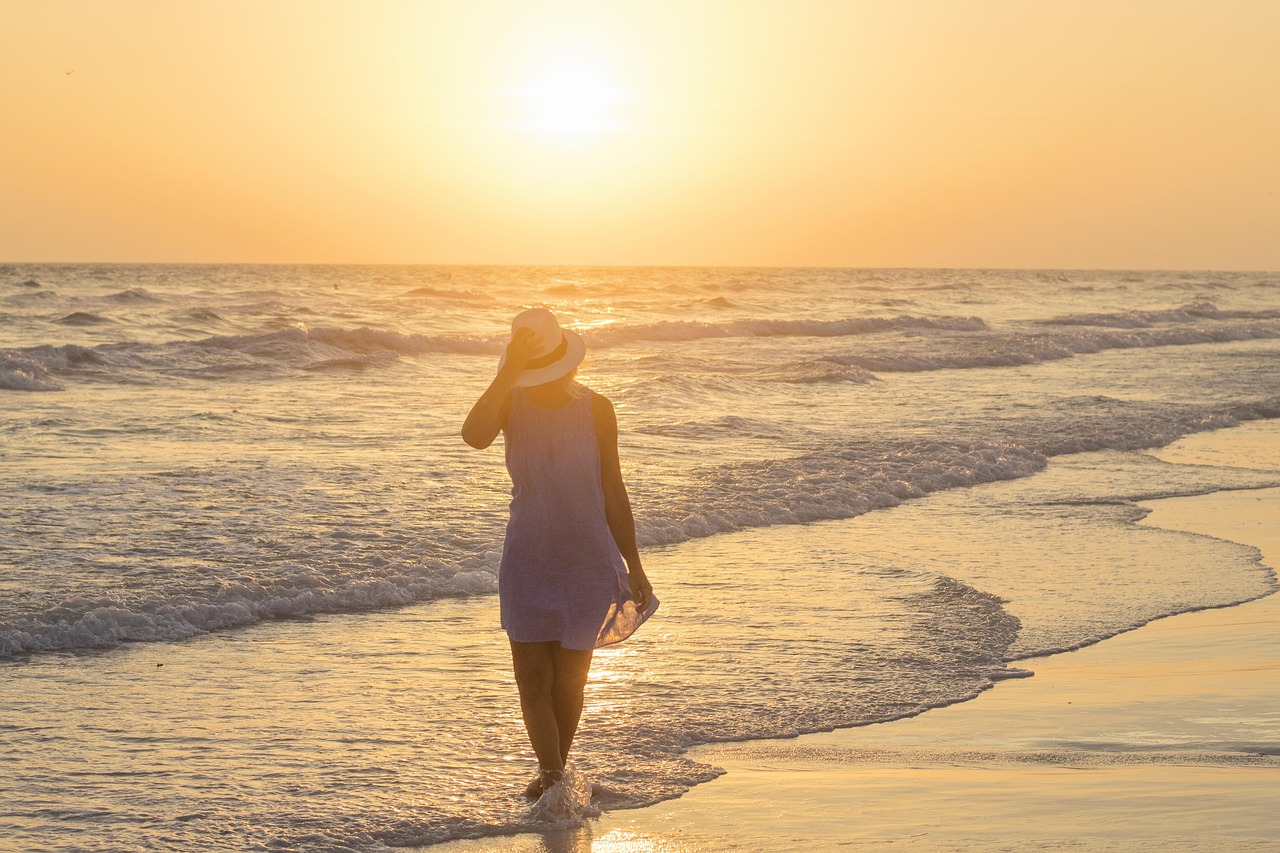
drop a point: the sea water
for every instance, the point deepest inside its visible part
(248, 568)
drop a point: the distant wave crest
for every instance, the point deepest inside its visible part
(302, 348)
(294, 347)
(18, 373)
(82, 318)
(691, 330)
(1012, 349)
(1189, 313)
(308, 348)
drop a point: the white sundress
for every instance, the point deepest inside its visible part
(562, 577)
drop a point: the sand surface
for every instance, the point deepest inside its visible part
(1167, 736)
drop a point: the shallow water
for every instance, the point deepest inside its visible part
(248, 566)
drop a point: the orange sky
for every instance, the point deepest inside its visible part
(1126, 133)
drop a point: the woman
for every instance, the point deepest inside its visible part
(563, 587)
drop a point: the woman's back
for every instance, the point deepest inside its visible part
(562, 576)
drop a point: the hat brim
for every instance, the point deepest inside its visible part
(575, 351)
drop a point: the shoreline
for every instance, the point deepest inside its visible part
(1165, 734)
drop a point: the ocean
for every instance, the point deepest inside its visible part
(248, 567)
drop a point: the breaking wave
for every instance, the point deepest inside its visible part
(18, 373)
(1189, 313)
(830, 483)
(926, 344)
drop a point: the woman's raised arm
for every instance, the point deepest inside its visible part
(489, 414)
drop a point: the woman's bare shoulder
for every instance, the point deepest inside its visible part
(602, 410)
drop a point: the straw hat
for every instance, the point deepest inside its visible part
(559, 350)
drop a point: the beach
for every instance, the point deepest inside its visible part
(248, 566)
(857, 423)
(1166, 737)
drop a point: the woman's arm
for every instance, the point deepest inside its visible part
(489, 414)
(617, 505)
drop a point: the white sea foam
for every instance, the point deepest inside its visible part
(566, 803)
(829, 484)
(79, 623)
(813, 487)
(833, 482)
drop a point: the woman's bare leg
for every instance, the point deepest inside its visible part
(551, 680)
(571, 668)
(534, 665)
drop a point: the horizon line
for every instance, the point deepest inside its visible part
(474, 265)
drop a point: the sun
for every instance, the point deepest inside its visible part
(571, 96)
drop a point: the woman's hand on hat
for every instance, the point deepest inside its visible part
(522, 347)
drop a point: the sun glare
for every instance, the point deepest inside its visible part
(571, 97)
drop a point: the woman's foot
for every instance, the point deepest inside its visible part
(543, 783)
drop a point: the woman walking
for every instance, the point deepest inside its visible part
(563, 587)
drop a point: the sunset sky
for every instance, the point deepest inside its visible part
(1124, 133)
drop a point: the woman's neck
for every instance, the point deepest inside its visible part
(552, 395)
